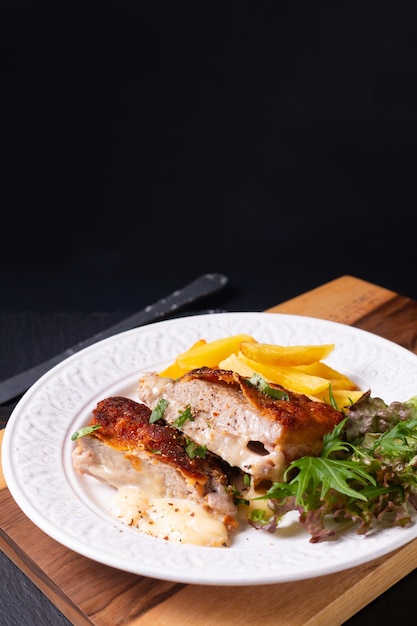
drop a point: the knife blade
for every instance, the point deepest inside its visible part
(206, 284)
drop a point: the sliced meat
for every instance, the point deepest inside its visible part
(244, 426)
(161, 489)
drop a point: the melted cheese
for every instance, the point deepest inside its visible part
(142, 496)
(174, 519)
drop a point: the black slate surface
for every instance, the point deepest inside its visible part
(22, 603)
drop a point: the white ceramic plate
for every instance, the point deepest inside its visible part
(75, 510)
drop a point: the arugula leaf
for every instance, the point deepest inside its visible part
(401, 440)
(333, 442)
(332, 399)
(317, 476)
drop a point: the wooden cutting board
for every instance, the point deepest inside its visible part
(89, 593)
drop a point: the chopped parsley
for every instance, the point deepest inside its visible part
(183, 416)
(237, 496)
(247, 480)
(194, 450)
(158, 411)
(261, 385)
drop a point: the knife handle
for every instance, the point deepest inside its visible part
(205, 285)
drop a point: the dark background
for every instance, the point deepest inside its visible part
(145, 143)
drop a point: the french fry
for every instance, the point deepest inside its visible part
(336, 378)
(197, 344)
(235, 364)
(208, 353)
(296, 368)
(289, 377)
(285, 355)
(175, 370)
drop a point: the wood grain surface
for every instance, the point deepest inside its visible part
(90, 593)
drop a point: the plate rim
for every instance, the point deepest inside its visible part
(185, 577)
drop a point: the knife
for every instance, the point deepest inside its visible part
(205, 285)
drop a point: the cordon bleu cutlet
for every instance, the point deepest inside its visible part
(161, 488)
(244, 426)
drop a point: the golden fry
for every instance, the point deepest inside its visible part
(209, 353)
(337, 379)
(272, 354)
(235, 364)
(296, 368)
(289, 377)
(173, 371)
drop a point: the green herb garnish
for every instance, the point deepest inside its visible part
(84, 431)
(158, 411)
(261, 384)
(183, 416)
(237, 496)
(194, 450)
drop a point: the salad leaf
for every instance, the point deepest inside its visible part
(373, 480)
(370, 414)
